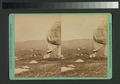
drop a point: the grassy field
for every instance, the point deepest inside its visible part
(52, 67)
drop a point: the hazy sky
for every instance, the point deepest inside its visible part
(74, 26)
(80, 26)
(33, 27)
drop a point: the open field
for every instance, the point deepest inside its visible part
(52, 67)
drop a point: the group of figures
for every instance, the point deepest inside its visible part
(54, 42)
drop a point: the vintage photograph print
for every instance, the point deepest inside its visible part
(66, 46)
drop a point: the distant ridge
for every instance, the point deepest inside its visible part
(42, 44)
(78, 43)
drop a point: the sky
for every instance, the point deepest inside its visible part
(73, 26)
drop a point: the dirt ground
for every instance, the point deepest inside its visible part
(96, 67)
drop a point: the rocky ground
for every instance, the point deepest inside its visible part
(76, 64)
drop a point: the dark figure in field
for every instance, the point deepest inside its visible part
(100, 41)
(54, 42)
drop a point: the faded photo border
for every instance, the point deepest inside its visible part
(12, 51)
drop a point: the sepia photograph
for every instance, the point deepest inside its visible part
(61, 45)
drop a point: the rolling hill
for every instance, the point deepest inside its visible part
(42, 44)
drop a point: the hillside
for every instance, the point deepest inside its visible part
(42, 44)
